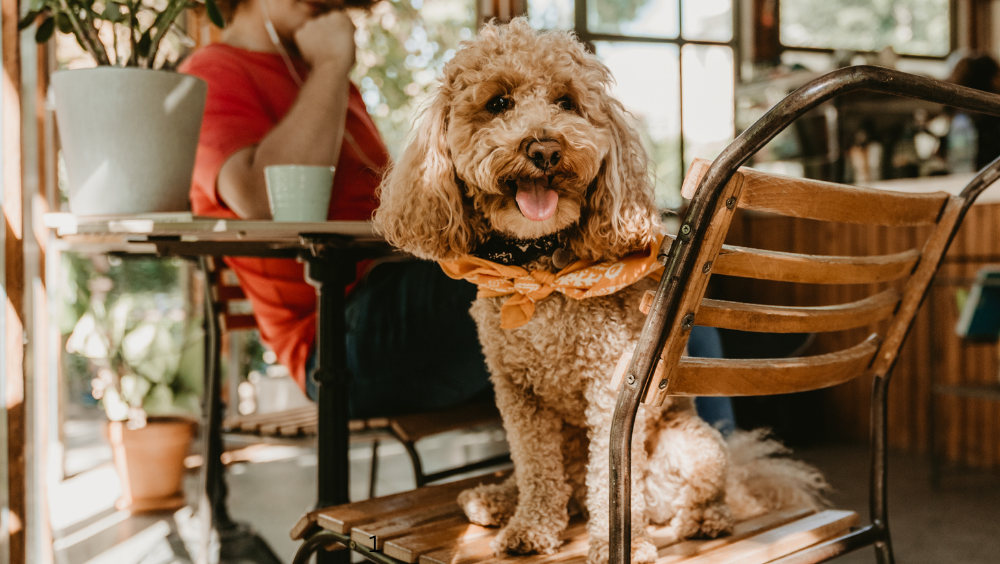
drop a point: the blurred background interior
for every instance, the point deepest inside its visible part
(694, 73)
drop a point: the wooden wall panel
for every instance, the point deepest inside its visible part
(968, 429)
(12, 348)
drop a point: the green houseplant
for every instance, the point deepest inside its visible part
(145, 358)
(147, 24)
(129, 127)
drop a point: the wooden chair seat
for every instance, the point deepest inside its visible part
(426, 526)
(302, 421)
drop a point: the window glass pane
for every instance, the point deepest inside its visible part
(551, 14)
(401, 48)
(707, 19)
(646, 83)
(708, 100)
(915, 27)
(650, 18)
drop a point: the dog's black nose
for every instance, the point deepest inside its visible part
(544, 153)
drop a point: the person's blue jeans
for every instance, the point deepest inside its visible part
(412, 345)
(717, 411)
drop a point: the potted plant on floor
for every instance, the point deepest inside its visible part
(129, 128)
(148, 356)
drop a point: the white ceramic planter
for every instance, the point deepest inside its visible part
(129, 138)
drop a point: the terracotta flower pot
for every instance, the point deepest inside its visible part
(150, 462)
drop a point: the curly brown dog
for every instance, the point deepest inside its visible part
(522, 148)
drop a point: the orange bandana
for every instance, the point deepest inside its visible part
(580, 280)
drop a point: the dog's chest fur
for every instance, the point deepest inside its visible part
(567, 345)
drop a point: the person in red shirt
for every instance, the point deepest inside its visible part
(279, 93)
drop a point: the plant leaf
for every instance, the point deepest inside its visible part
(138, 343)
(28, 19)
(45, 30)
(214, 14)
(114, 407)
(159, 401)
(144, 44)
(113, 12)
(63, 23)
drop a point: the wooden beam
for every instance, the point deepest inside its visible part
(13, 284)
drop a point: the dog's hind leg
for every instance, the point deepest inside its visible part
(686, 474)
(535, 436)
(600, 408)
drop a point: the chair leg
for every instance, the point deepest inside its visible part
(373, 475)
(883, 551)
(411, 451)
(418, 470)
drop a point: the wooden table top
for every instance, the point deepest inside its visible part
(187, 227)
(184, 234)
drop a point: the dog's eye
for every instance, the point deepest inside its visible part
(499, 104)
(566, 103)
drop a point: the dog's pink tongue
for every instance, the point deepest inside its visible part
(537, 201)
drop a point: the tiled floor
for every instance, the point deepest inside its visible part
(956, 525)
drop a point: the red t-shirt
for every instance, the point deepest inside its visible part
(248, 94)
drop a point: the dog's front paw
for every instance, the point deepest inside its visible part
(705, 522)
(489, 505)
(643, 551)
(522, 538)
(599, 551)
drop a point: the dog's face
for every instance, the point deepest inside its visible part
(521, 139)
(527, 135)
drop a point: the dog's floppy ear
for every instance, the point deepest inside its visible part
(620, 213)
(421, 209)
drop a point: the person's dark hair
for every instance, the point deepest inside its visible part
(228, 7)
(979, 71)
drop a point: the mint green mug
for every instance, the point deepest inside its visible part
(299, 193)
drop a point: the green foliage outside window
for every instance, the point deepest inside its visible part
(913, 27)
(133, 339)
(402, 46)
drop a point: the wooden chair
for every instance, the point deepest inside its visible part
(426, 525)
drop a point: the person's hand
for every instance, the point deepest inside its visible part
(328, 40)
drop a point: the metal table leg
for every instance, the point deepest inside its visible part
(330, 270)
(212, 493)
(238, 542)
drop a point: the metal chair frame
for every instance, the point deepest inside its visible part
(680, 255)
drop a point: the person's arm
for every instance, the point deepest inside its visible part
(312, 131)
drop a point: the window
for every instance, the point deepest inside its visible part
(910, 27)
(402, 46)
(673, 64)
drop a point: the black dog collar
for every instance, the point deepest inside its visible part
(519, 252)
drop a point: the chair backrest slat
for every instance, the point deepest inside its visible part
(230, 301)
(228, 293)
(721, 377)
(785, 319)
(813, 269)
(236, 322)
(678, 375)
(814, 199)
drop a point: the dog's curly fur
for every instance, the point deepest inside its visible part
(453, 188)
